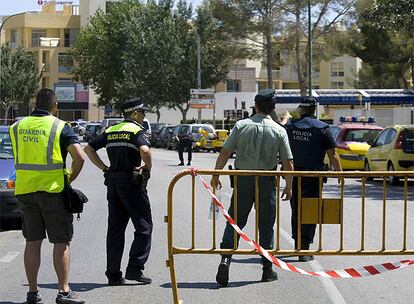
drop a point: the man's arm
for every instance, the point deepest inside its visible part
(146, 157)
(222, 159)
(95, 159)
(334, 159)
(76, 153)
(285, 118)
(287, 165)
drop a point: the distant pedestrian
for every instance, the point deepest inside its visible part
(310, 139)
(194, 120)
(41, 143)
(185, 142)
(259, 142)
(127, 145)
(227, 123)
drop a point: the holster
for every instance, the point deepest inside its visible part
(231, 177)
(140, 178)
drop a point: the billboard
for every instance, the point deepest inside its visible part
(65, 92)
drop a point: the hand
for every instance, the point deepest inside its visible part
(145, 167)
(215, 182)
(105, 168)
(286, 194)
(287, 115)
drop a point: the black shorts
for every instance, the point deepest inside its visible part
(45, 212)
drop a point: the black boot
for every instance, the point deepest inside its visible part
(268, 274)
(305, 258)
(138, 276)
(222, 276)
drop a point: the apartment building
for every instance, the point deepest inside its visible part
(48, 34)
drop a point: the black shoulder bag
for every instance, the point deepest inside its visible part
(74, 200)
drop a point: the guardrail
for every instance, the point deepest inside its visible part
(318, 211)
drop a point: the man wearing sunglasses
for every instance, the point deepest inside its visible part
(127, 145)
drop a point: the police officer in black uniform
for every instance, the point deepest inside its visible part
(127, 144)
(309, 140)
(185, 141)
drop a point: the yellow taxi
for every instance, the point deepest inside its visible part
(392, 150)
(352, 136)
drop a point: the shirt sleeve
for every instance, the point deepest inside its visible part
(327, 140)
(98, 142)
(231, 141)
(143, 139)
(284, 148)
(67, 138)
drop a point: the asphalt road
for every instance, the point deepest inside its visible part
(196, 273)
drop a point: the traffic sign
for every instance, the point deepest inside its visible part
(202, 99)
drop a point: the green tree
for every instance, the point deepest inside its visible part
(19, 77)
(150, 50)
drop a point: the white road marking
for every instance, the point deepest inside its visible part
(330, 288)
(9, 257)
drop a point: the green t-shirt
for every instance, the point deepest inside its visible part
(258, 141)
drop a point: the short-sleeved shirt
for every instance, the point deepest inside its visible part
(123, 158)
(258, 141)
(67, 137)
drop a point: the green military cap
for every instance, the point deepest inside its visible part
(267, 95)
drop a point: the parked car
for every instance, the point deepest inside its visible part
(147, 126)
(392, 150)
(165, 136)
(155, 132)
(91, 131)
(352, 137)
(193, 130)
(79, 126)
(9, 208)
(108, 122)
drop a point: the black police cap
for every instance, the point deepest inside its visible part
(307, 101)
(267, 95)
(133, 104)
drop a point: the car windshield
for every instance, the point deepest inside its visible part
(361, 135)
(209, 129)
(6, 150)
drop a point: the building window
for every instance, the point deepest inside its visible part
(337, 69)
(70, 37)
(233, 85)
(65, 62)
(261, 85)
(36, 35)
(14, 39)
(337, 85)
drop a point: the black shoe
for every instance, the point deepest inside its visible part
(222, 276)
(33, 297)
(269, 275)
(139, 277)
(68, 298)
(119, 282)
(181, 164)
(306, 258)
(189, 163)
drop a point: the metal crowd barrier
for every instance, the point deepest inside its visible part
(318, 211)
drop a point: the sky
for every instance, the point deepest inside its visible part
(8, 7)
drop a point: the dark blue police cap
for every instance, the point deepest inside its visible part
(133, 104)
(267, 95)
(307, 101)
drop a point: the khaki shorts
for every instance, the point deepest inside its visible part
(45, 212)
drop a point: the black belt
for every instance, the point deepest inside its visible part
(118, 173)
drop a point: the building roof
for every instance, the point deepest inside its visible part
(349, 97)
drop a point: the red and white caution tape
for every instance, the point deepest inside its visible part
(347, 273)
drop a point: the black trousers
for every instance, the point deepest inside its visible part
(185, 144)
(310, 189)
(126, 201)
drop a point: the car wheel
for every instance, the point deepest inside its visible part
(367, 169)
(392, 179)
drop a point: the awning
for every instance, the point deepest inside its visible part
(350, 97)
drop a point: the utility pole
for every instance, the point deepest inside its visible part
(199, 71)
(310, 80)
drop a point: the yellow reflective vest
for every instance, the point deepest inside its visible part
(37, 156)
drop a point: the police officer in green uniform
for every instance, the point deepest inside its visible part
(127, 145)
(310, 139)
(41, 143)
(258, 141)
